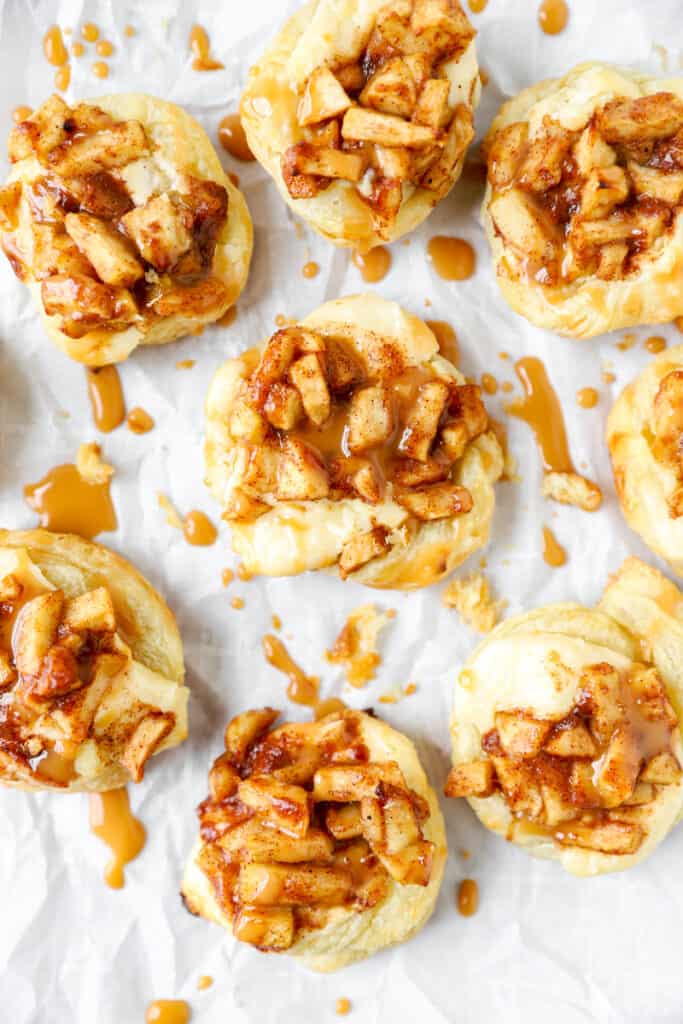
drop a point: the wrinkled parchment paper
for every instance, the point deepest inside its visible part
(543, 946)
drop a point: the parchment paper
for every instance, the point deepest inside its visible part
(543, 945)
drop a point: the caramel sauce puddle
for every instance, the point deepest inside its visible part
(66, 503)
(201, 50)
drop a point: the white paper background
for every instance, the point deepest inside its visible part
(543, 945)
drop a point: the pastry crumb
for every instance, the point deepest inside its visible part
(572, 489)
(472, 600)
(90, 464)
(356, 646)
(172, 516)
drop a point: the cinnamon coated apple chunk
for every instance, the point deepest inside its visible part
(309, 826)
(347, 440)
(578, 756)
(374, 114)
(585, 180)
(84, 703)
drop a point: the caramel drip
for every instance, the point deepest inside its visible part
(227, 576)
(129, 31)
(477, 6)
(54, 767)
(104, 48)
(553, 552)
(342, 1007)
(112, 821)
(106, 398)
(243, 573)
(234, 178)
(553, 16)
(327, 707)
(374, 265)
(100, 69)
(237, 603)
(468, 897)
(587, 398)
(66, 503)
(655, 344)
(198, 529)
(489, 383)
(453, 259)
(185, 364)
(77, 49)
(168, 1011)
(139, 421)
(90, 32)
(233, 140)
(54, 48)
(204, 982)
(20, 114)
(228, 317)
(63, 78)
(201, 50)
(540, 408)
(627, 342)
(447, 339)
(302, 689)
(310, 269)
(276, 621)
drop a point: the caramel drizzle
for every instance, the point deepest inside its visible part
(201, 50)
(168, 1011)
(468, 897)
(541, 410)
(198, 529)
(106, 398)
(301, 689)
(374, 265)
(112, 821)
(233, 140)
(553, 552)
(54, 48)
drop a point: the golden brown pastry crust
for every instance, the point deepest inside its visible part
(539, 664)
(349, 935)
(179, 146)
(296, 536)
(588, 305)
(645, 484)
(330, 33)
(145, 626)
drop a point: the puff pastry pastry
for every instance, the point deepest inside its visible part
(91, 666)
(582, 207)
(566, 726)
(119, 218)
(644, 436)
(320, 839)
(362, 111)
(349, 441)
